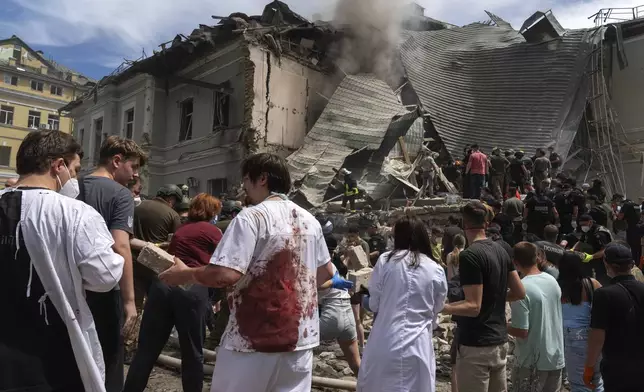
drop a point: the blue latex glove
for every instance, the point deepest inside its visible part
(337, 282)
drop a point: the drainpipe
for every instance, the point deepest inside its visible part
(322, 382)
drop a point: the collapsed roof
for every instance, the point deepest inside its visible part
(485, 84)
(360, 116)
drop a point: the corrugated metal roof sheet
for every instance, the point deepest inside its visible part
(485, 84)
(357, 116)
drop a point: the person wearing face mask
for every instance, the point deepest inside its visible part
(486, 273)
(106, 190)
(135, 187)
(54, 248)
(596, 237)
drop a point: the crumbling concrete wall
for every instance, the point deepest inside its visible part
(286, 102)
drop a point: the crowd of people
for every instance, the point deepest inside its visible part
(71, 292)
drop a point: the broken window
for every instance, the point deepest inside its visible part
(222, 109)
(34, 119)
(6, 115)
(217, 186)
(98, 133)
(185, 133)
(16, 54)
(10, 79)
(129, 123)
(53, 121)
(36, 85)
(5, 155)
(56, 90)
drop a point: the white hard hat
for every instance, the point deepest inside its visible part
(345, 171)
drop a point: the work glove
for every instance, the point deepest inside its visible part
(589, 373)
(337, 282)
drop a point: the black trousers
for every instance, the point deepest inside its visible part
(107, 310)
(352, 202)
(168, 307)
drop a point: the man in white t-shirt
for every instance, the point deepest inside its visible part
(273, 254)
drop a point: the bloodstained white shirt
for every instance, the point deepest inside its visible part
(278, 246)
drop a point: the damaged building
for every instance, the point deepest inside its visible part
(201, 103)
(487, 83)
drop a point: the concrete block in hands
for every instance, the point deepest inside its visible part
(155, 259)
(358, 259)
(360, 278)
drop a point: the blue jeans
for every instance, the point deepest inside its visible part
(575, 347)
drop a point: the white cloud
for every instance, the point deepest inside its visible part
(125, 27)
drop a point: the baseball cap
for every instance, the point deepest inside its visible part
(617, 254)
(585, 218)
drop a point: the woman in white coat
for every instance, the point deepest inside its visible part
(407, 291)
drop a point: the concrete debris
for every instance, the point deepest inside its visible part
(155, 259)
(358, 259)
(360, 278)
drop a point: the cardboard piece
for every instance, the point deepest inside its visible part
(360, 278)
(358, 259)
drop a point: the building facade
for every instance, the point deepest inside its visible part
(199, 113)
(32, 89)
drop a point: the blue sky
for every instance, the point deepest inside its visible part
(94, 36)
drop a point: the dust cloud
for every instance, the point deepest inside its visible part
(372, 32)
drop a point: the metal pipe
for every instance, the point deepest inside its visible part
(323, 382)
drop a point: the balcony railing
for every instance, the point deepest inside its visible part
(617, 15)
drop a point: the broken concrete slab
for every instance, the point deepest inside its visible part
(155, 259)
(360, 278)
(358, 259)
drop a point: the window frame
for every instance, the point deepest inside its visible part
(128, 133)
(38, 83)
(11, 78)
(31, 123)
(97, 131)
(53, 119)
(8, 110)
(58, 89)
(186, 120)
(8, 156)
(223, 185)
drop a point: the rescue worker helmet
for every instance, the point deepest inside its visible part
(170, 190)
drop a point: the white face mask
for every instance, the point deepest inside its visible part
(585, 229)
(137, 201)
(70, 188)
(588, 206)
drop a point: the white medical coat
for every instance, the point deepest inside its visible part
(71, 251)
(399, 356)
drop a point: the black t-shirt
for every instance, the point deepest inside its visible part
(516, 169)
(599, 215)
(507, 247)
(553, 252)
(597, 237)
(377, 243)
(540, 213)
(505, 223)
(564, 203)
(618, 309)
(485, 262)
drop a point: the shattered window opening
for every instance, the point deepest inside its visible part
(98, 131)
(53, 121)
(34, 119)
(185, 132)
(6, 115)
(129, 123)
(5, 155)
(217, 186)
(222, 110)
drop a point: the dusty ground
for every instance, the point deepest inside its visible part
(162, 380)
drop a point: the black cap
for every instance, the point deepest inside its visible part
(617, 254)
(585, 218)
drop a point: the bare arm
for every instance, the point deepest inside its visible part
(517, 332)
(122, 247)
(324, 272)
(471, 306)
(215, 276)
(596, 339)
(516, 290)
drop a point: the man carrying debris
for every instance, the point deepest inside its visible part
(350, 190)
(427, 167)
(54, 248)
(274, 255)
(106, 191)
(498, 167)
